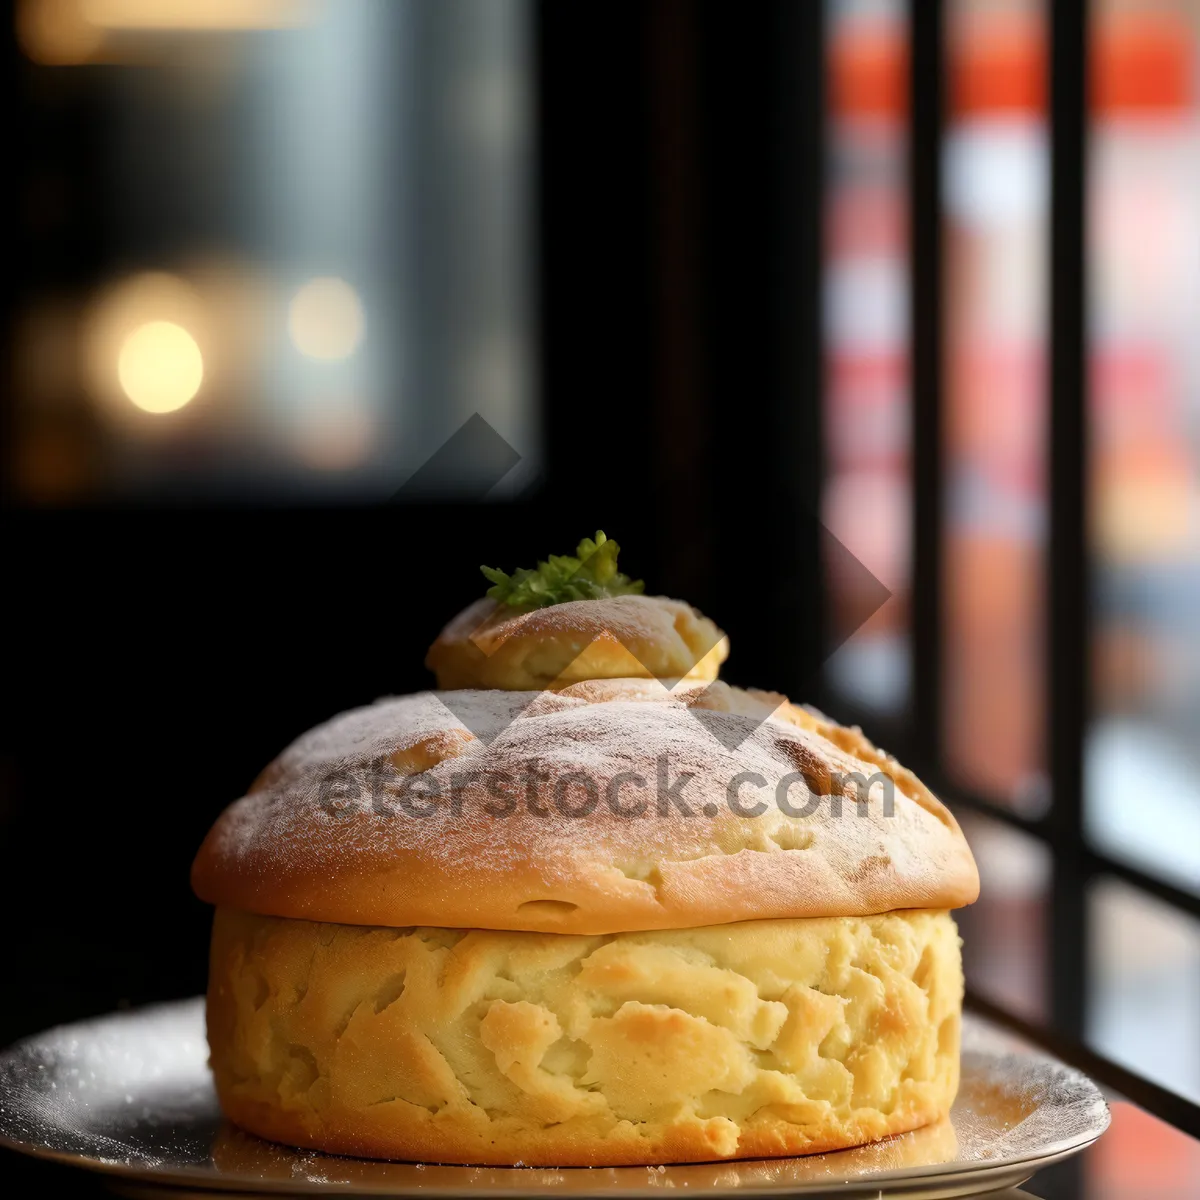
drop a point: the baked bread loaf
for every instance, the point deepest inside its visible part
(616, 922)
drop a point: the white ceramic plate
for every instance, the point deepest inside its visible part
(130, 1095)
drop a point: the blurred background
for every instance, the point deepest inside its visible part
(1141, 801)
(270, 255)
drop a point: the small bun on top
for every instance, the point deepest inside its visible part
(626, 637)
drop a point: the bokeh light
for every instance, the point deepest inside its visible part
(160, 367)
(147, 340)
(57, 33)
(195, 14)
(326, 320)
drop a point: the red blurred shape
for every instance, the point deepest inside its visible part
(998, 65)
(1142, 1158)
(1142, 64)
(868, 70)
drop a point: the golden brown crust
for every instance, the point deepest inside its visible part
(765, 1038)
(236, 1151)
(399, 815)
(489, 646)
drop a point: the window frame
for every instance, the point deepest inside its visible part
(1075, 863)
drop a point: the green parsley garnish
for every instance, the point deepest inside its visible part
(589, 574)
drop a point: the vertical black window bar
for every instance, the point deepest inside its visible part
(1067, 644)
(926, 119)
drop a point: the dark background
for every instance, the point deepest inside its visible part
(161, 655)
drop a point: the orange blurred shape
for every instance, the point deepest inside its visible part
(195, 14)
(1141, 1158)
(1142, 62)
(1142, 493)
(73, 32)
(56, 33)
(997, 64)
(992, 670)
(868, 70)
(994, 581)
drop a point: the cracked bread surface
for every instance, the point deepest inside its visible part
(771, 1037)
(602, 807)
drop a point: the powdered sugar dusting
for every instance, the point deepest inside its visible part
(621, 616)
(538, 811)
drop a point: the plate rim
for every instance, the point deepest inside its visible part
(206, 1179)
(1009, 1175)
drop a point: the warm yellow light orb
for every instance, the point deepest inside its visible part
(160, 367)
(325, 319)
